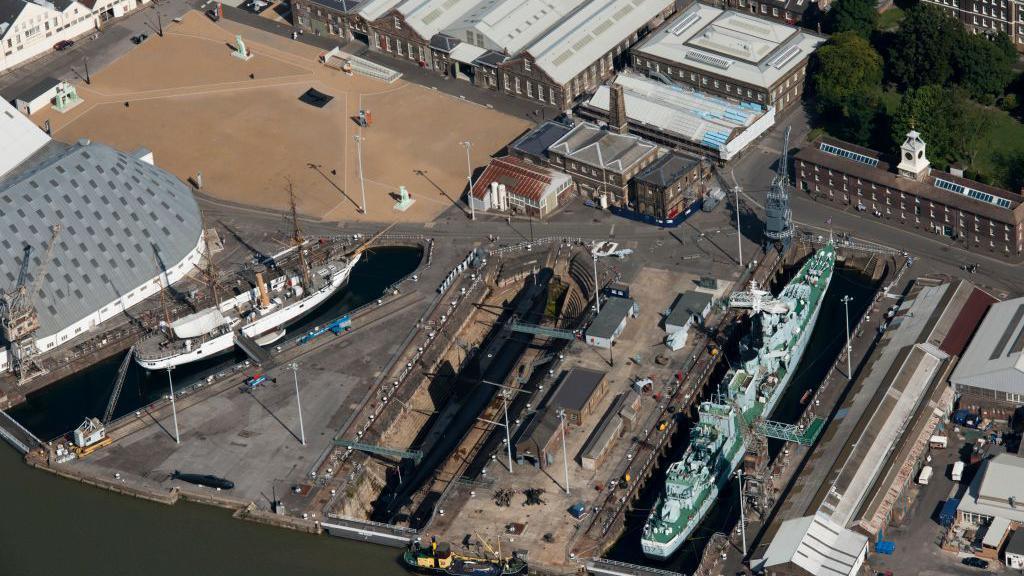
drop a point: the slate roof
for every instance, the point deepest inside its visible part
(536, 142)
(687, 305)
(120, 217)
(925, 189)
(576, 389)
(38, 89)
(520, 178)
(588, 144)
(344, 6)
(667, 170)
(443, 42)
(612, 313)
(9, 11)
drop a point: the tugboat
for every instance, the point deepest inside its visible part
(438, 558)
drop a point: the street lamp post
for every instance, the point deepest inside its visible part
(597, 295)
(362, 184)
(565, 457)
(849, 349)
(298, 401)
(508, 436)
(469, 177)
(743, 521)
(174, 409)
(739, 236)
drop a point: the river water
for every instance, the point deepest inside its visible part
(62, 406)
(55, 526)
(825, 344)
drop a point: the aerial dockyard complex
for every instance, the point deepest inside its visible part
(503, 288)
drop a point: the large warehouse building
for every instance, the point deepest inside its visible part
(125, 227)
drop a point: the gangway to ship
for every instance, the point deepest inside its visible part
(803, 435)
(517, 326)
(258, 354)
(414, 455)
(118, 386)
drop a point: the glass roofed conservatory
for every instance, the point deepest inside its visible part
(972, 193)
(837, 151)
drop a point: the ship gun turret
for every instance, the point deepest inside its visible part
(758, 300)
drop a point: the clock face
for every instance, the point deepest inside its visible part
(920, 154)
(909, 156)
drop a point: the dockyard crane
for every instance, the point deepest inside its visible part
(18, 315)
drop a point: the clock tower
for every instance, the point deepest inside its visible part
(913, 162)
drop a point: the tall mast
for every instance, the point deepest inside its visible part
(211, 272)
(297, 238)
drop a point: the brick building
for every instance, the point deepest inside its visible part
(915, 197)
(729, 53)
(667, 189)
(581, 52)
(988, 16)
(601, 162)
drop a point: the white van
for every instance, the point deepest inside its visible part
(938, 441)
(958, 471)
(925, 476)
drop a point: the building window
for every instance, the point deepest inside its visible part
(519, 89)
(398, 23)
(526, 65)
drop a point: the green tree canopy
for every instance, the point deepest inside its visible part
(846, 86)
(984, 66)
(859, 16)
(941, 115)
(921, 52)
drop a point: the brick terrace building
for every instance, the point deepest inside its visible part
(668, 188)
(988, 16)
(731, 54)
(601, 162)
(327, 17)
(788, 11)
(917, 198)
(581, 52)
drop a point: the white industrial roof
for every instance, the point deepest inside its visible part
(732, 44)
(466, 53)
(698, 117)
(997, 489)
(995, 358)
(510, 25)
(429, 17)
(21, 137)
(589, 33)
(374, 9)
(818, 545)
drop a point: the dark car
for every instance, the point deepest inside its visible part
(213, 14)
(63, 45)
(140, 38)
(976, 562)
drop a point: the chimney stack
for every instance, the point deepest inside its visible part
(617, 120)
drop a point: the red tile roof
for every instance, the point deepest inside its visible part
(520, 178)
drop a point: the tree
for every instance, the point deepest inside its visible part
(922, 49)
(846, 86)
(941, 115)
(984, 66)
(859, 16)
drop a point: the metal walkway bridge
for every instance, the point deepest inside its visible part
(803, 435)
(414, 455)
(536, 330)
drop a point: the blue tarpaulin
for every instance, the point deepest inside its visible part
(948, 513)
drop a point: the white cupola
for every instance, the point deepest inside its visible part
(913, 162)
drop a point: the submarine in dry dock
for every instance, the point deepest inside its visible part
(208, 480)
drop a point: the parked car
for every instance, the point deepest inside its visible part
(140, 38)
(212, 14)
(976, 562)
(63, 45)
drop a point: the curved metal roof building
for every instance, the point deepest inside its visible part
(124, 223)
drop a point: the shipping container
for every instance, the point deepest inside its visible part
(958, 471)
(925, 476)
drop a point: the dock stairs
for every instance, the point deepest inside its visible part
(257, 353)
